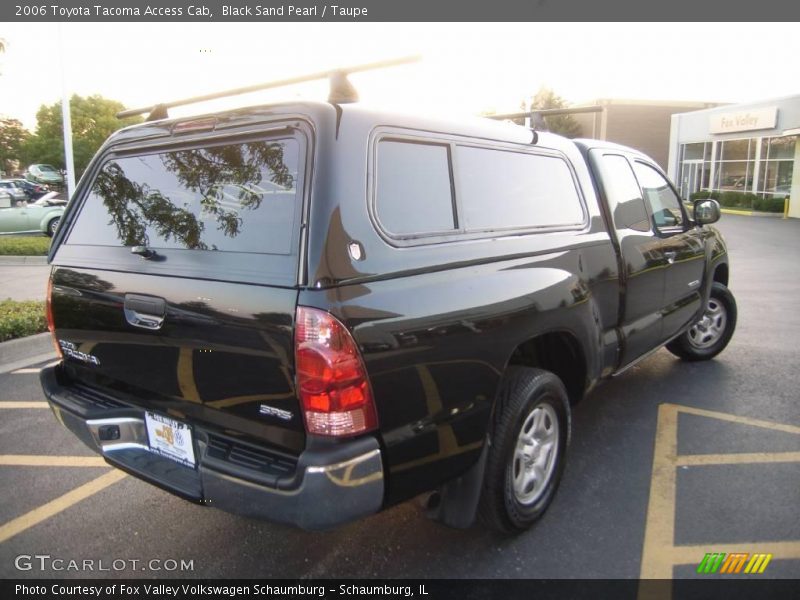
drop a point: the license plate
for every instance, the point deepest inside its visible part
(170, 438)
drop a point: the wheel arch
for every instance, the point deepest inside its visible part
(721, 273)
(559, 352)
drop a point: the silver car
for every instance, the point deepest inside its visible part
(12, 190)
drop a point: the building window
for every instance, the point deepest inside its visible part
(777, 165)
(695, 168)
(735, 165)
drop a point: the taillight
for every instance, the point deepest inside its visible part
(49, 314)
(331, 379)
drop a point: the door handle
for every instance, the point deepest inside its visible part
(147, 312)
(670, 256)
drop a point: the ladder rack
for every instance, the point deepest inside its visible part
(341, 90)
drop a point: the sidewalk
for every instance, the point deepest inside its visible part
(23, 277)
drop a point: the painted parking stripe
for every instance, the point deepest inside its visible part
(743, 458)
(34, 369)
(11, 404)
(659, 552)
(27, 460)
(27, 362)
(60, 504)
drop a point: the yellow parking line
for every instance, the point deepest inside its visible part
(736, 459)
(24, 405)
(186, 382)
(659, 552)
(37, 515)
(659, 533)
(741, 420)
(25, 460)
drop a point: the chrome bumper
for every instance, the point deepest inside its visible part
(330, 486)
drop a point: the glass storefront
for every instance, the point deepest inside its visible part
(751, 173)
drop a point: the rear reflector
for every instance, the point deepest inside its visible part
(331, 379)
(49, 314)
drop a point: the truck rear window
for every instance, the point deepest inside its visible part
(230, 198)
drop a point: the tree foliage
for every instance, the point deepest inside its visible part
(12, 139)
(229, 180)
(93, 120)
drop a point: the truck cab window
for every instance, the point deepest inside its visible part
(664, 203)
(623, 194)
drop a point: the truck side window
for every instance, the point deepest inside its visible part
(664, 204)
(623, 194)
(414, 189)
(511, 190)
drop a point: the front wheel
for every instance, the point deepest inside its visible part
(708, 336)
(528, 441)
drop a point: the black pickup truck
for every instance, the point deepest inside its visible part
(309, 312)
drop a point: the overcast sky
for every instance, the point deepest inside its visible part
(467, 67)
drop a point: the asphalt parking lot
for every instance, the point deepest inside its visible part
(669, 461)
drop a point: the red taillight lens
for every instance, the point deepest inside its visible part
(331, 380)
(49, 315)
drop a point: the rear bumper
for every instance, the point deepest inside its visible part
(321, 489)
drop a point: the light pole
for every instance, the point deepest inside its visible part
(66, 117)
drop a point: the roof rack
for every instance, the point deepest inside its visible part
(341, 90)
(537, 115)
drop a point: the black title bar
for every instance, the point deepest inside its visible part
(710, 588)
(401, 10)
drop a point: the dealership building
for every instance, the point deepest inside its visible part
(752, 149)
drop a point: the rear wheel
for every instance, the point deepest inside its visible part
(708, 336)
(52, 226)
(528, 440)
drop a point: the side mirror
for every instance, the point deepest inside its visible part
(706, 211)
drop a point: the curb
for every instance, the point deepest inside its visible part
(22, 260)
(749, 213)
(25, 348)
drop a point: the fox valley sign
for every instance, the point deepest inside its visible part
(762, 118)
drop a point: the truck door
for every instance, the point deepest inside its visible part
(641, 255)
(683, 246)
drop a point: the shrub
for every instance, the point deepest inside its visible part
(703, 195)
(20, 319)
(24, 246)
(737, 199)
(773, 204)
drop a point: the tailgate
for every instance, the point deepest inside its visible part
(222, 354)
(174, 284)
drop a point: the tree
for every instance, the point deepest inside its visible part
(12, 140)
(565, 125)
(93, 120)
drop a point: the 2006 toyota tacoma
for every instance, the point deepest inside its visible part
(308, 312)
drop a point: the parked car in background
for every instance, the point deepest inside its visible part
(46, 174)
(22, 217)
(34, 191)
(17, 194)
(52, 199)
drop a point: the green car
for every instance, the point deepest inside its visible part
(23, 217)
(46, 174)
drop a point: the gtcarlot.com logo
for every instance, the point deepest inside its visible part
(733, 563)
(46, 562)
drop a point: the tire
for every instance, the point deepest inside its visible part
(709, 336)
(521, 478)
(52, 226)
